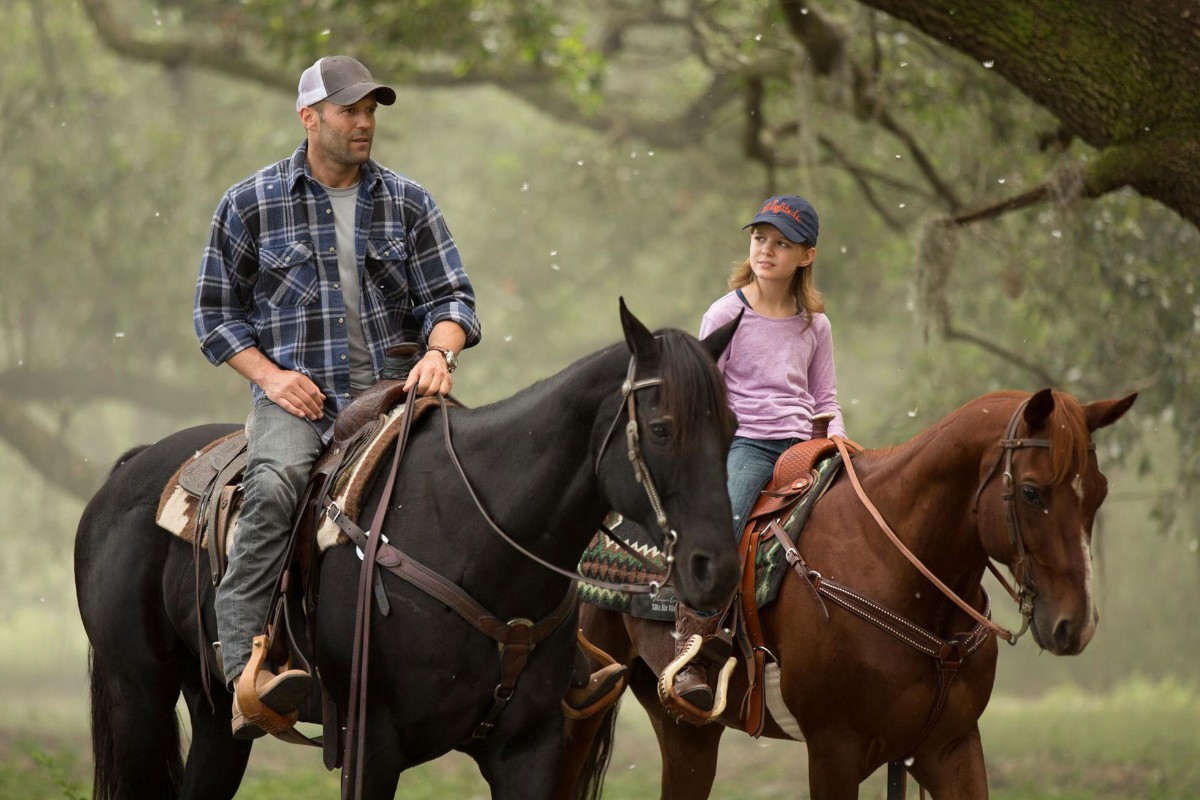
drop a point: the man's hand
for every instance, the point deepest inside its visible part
(292, 391)
(430, 375)
(295, 393)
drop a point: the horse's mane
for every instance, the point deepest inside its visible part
(691, 387)
(1069, 437)
(1066, 430)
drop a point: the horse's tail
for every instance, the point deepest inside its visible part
(106, 778)
(590, 783)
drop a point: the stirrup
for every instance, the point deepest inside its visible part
(265, 703)
(603, 688)
(678, 706)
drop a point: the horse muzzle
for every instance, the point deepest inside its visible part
(706, 578)
(1063, 634)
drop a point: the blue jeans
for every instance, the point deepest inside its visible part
(282, 449)
(750, 465)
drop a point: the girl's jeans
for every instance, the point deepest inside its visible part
(750, 465)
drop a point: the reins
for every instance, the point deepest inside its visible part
(999, 630)
(669, 537)
(1023, 575)
(517, 637)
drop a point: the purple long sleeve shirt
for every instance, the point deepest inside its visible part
(778, 373)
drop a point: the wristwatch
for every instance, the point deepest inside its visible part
(451, 357)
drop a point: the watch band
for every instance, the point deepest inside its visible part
(451, 356)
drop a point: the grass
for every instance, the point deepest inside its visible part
(1140, 740)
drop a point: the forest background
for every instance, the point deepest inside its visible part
(1009, 196)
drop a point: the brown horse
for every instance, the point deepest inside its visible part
(1008, 476)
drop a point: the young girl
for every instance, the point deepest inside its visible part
(778, 369)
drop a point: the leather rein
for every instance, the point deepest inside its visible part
(950, 654)
(1022, 573)
(667, 538)
(516, 638)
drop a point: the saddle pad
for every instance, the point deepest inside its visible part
(179, 501)
(354, 480)
(606, 561)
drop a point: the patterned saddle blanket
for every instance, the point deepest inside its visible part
(607, 561)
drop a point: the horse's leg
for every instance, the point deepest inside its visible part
(134, 716)
(526, 769)
(216, 761)
(382, 756)
(606, 630)
(689, 752)
(954, 769)
(834, 767)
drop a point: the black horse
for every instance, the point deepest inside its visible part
(547, 464)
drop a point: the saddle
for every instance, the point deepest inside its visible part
(794, 476)
(202, 500)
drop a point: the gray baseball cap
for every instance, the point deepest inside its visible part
(342, 80)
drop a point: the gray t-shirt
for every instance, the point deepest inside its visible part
(345, 221)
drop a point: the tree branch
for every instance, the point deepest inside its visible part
(534, 85)
(826, 46)
(78, 387)
(51, 456)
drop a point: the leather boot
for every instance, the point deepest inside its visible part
(263, 701)
(691, 682)
(596, 680)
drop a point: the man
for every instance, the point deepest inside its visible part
(315, 268)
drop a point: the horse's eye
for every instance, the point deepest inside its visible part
(660, 430)
(1031, 495)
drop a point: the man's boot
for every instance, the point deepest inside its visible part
(264, 702)
(691, 682)
(597, 680)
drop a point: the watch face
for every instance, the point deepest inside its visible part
(451, 357)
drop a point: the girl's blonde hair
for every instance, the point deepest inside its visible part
(809, 301)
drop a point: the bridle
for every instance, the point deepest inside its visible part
(667, 538)
(1022, 566)
(1022, 571)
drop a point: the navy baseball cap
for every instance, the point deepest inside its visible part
(793, 216)
(341, 80)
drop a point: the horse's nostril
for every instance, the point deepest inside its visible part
(702, 570)
(1062, 635)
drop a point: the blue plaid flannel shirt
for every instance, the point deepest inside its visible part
(269, 276)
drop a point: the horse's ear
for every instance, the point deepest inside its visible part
(1039, 408)
(1103, 413)
(716, 342)
(637, 336)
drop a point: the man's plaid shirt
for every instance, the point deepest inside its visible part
(269, 276)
